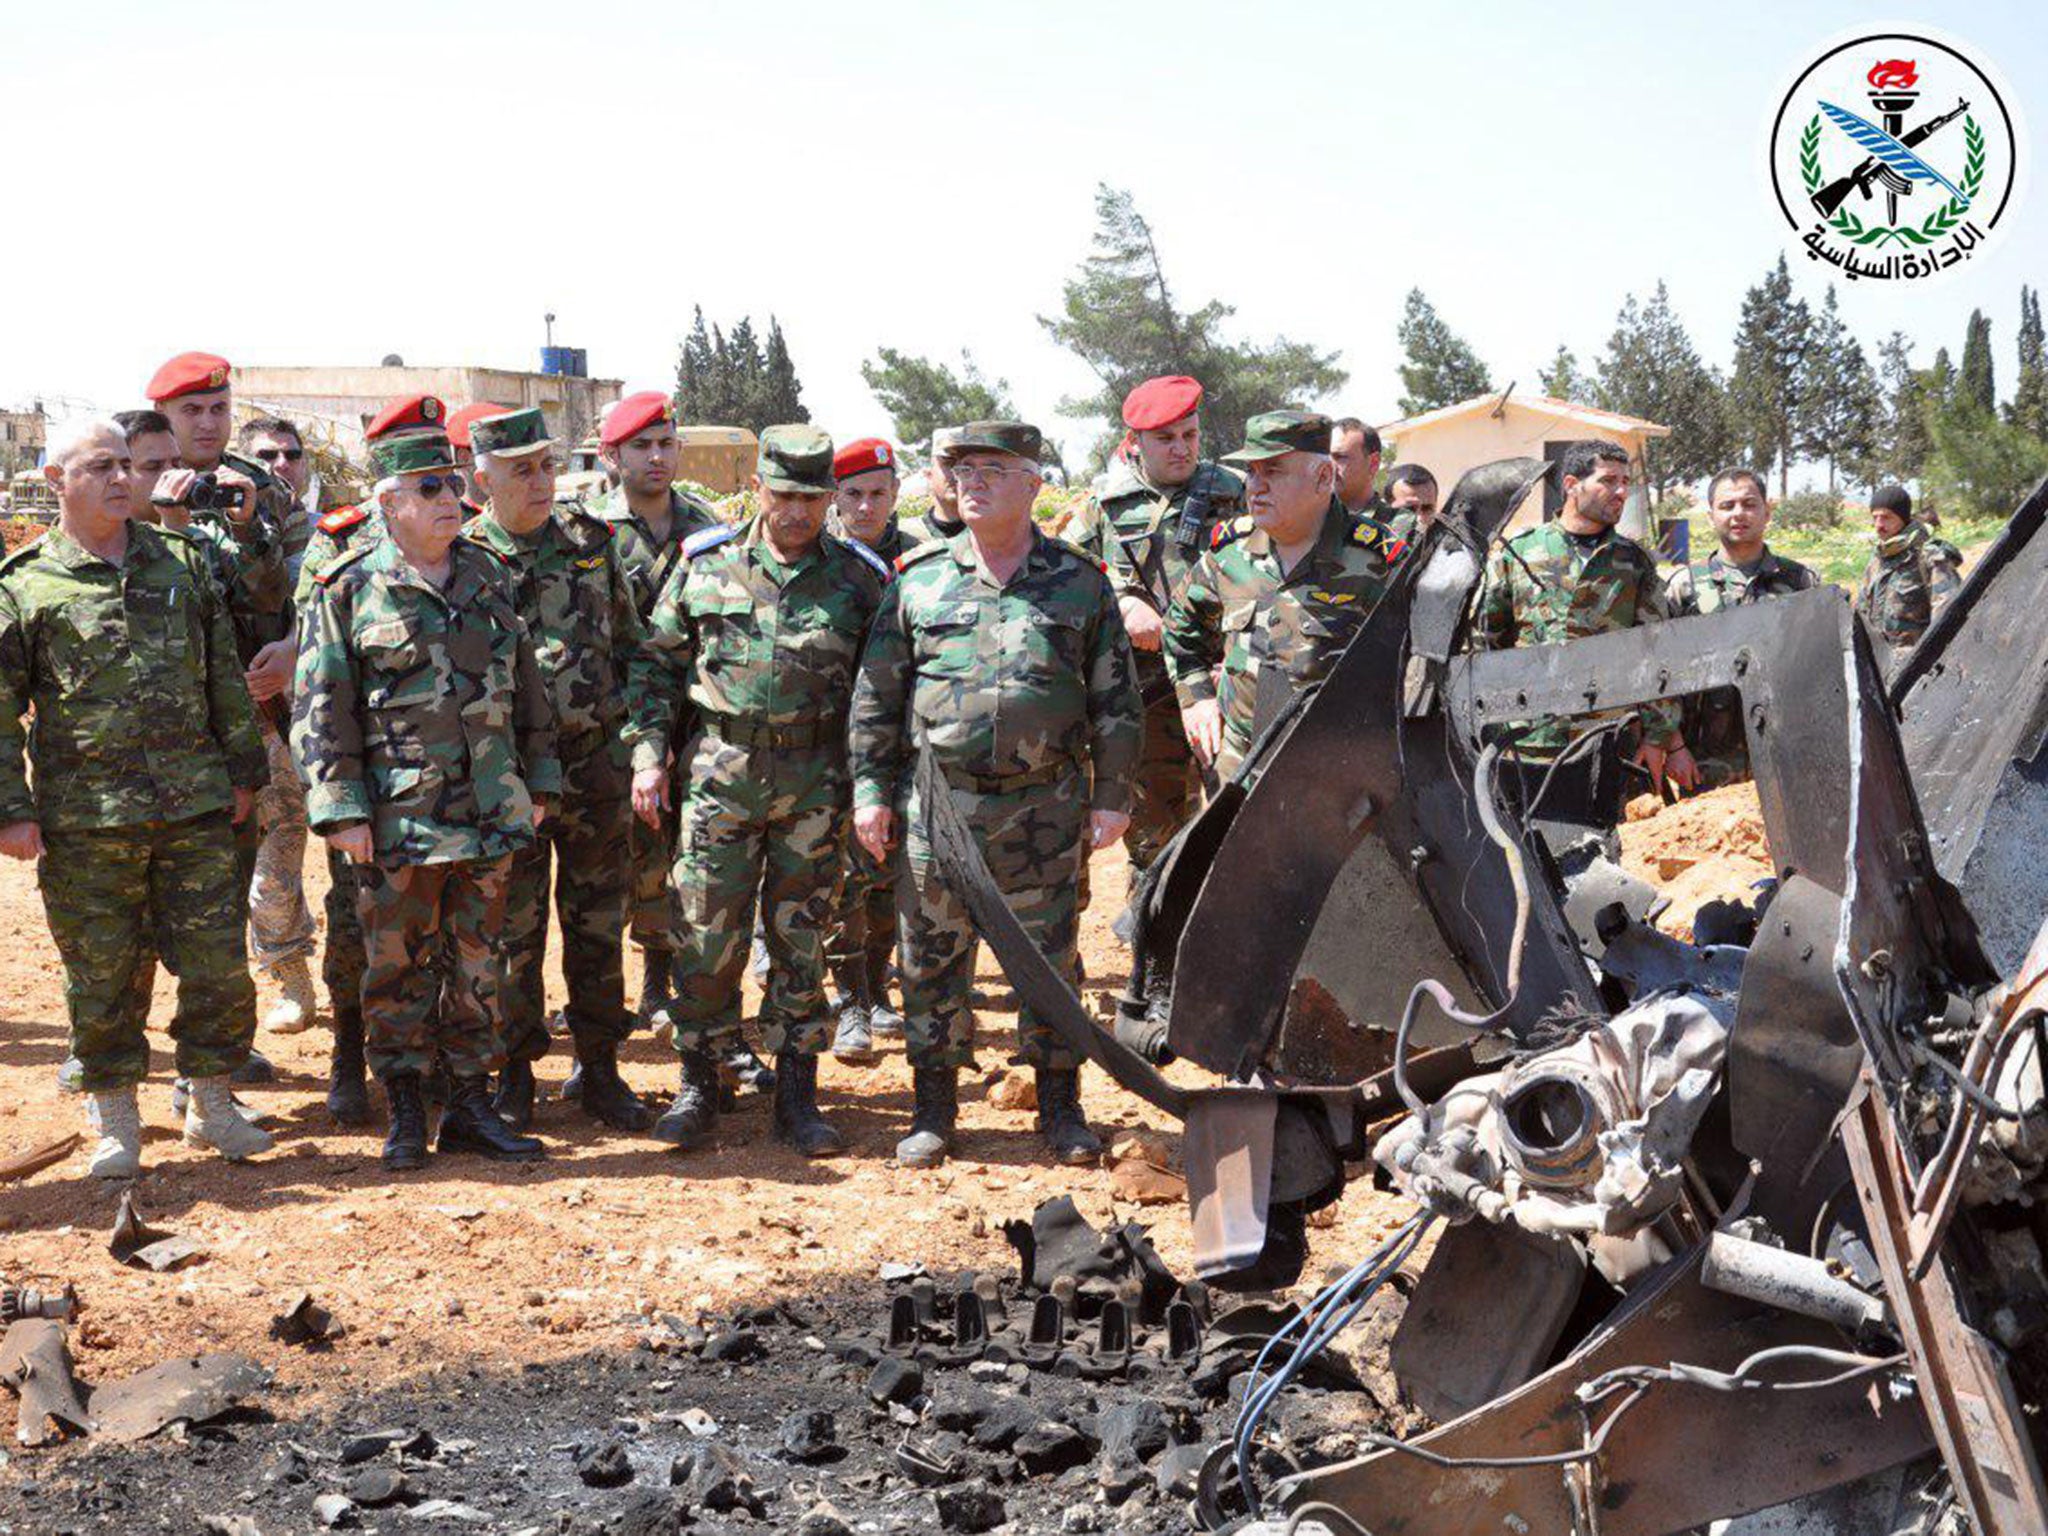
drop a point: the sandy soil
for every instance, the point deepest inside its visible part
(1707, 847)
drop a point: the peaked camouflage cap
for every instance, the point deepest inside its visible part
(943, 439)
(513, 435)
(1012, 437)
(411, 453)
(1272, 433)
(796, 458)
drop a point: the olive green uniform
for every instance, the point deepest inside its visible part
(1904, 585)
(1713, 720)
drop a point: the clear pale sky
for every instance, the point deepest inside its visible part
(325, 184)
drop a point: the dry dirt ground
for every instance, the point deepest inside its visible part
(469, 1272)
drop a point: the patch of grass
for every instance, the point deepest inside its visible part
(1839, 554)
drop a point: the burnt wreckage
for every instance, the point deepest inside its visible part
(1719, 1226)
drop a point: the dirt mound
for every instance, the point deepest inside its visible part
(1700, 849)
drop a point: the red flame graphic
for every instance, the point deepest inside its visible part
(1893, 75)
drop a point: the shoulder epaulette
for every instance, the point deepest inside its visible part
(707, 539)
(854, 546)
(1367, 533)
(910, 557)
(342, 518)
(1231, 528)
(342, 564)
(15, 556)
(587, 524)
(478, 541)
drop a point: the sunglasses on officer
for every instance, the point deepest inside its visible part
(272, 455)
(430, 486)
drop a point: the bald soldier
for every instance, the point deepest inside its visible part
(1000, 651)
(1148, 521)
(650, 521)
(144, 754)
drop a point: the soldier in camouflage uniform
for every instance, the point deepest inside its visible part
(650, 520)
(1743, 570)
(1285, 587)
(1907, 581)
(862, 940)
(1355, 451)
(1411, 503)
(1573, 577)
(943, 521)
(145, 753)
(425, 736)
(1149, 520)
(581, 617)
(342, 960)
(759, 628)
(1001, 651)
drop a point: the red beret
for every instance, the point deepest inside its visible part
(862, 455)
(187, 374)
(635, 413)
(459, 422)
(404, 413)
(1160, 402)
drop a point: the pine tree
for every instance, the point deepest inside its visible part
(1439, 367)
(1771, 341)
(1903, 444)
(1838, 406)
(1979, 388)
(1651, 369)
(921, 396)
(694, 369)
(1119, 316)
(1561, 379)
(783, 395)
(2029, 408)
(736, 381)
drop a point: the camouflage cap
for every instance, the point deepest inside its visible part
(1272, 433)
(411, 453)
(1012, 437)
(796, 458)
(943, 441)
(513, 435)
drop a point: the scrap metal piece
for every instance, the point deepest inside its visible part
(1457, 1347)
(1743, 1267)
(192, 1391)
(304, 1321)
(35, 1360)
(141, 1246)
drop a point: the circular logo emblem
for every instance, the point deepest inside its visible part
(1895, 156)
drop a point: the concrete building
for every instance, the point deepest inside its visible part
(336, 403)
(1454, 438)
(23, 436)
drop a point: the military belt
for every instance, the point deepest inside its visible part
(1007, 783)
(794, 734)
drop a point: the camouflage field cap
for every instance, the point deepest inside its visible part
(411, 453)
(513, 435)
(796, 458)
(1272, 433)
(1012, 437)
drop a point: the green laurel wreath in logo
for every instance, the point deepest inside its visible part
(1931, 228)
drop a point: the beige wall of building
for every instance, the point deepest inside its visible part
(342, 400)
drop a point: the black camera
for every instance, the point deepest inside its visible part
(209, 495)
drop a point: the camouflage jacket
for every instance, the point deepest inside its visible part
(247, 563)
(1237, 613)
(1019, 680)
(1903, 586)
(1403, 530)
(1542, 586)
(334, 535)
(928, 528)
(421, 709)
(580, 613)
(647, 565)
(900, 540)
(1721, 584)
(140, 709)
(1133, 527)
(742, 636)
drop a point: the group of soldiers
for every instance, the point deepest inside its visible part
(647, 721)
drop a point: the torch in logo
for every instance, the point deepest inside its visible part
(1891, 163)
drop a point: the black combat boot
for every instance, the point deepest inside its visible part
(514, 1103)
(405, 1145)
(746, 1071)
(348, 1095)
(470, 1123)
(605, 1095)
(797, 1120)
(693, 1116)
(657, 980)
(1060, 1120)
(931, 1124)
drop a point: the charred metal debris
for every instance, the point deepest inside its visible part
(1699, 1229)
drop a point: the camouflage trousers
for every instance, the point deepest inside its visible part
(436, 964)
(862, 939)
(756, 826)
(342, 961)
(280, 922)
(1031, 840)
(120, 898)
(652, 847)
(1166, 787)
(583, 851)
